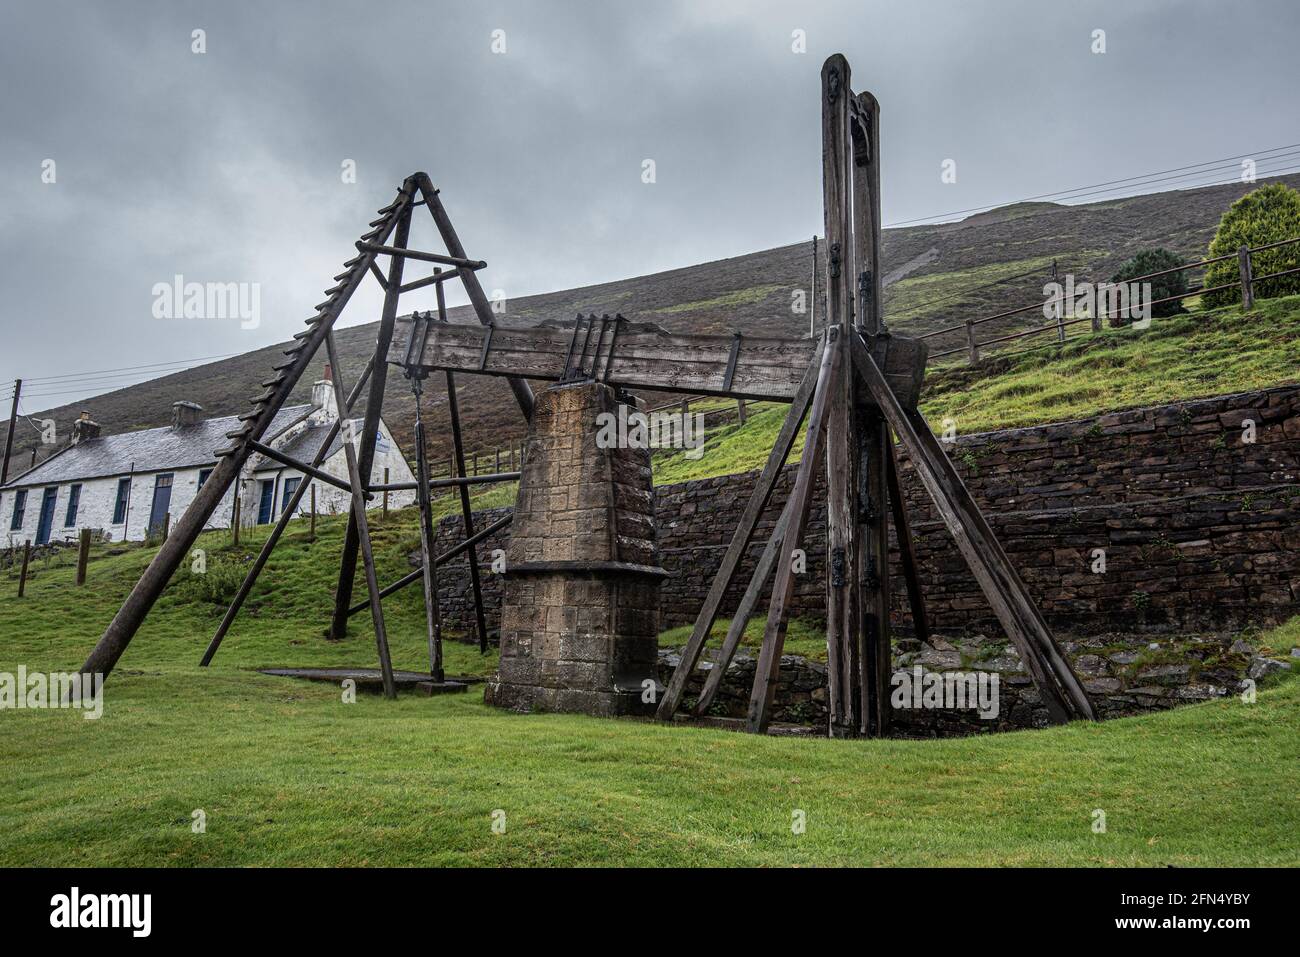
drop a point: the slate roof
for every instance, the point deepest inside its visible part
(147, 450)
(305, 444)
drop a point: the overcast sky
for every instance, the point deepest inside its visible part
(226, 165)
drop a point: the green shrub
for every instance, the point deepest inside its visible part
(1266, 215)
(1170, 284)
(217, 585)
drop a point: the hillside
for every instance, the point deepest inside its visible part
(936, 275)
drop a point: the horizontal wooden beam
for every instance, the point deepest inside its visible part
(641, 356)
(456, 261)
(301, 466)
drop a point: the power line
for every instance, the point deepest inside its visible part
(149, 365)
(1076, 189)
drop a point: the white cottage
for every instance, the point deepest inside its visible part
(125, 485)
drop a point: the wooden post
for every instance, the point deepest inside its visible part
(370, 428)
(871, 440)
(234, 523)
(167, 525)
(971, 344)
(385, 495)
(1247, 279)
(313, 511)
(83, 555)
(9, 436)
(432, 613)
(359, 506)
(498, 458)
(740, 411)
(22, 575)
(769, 659)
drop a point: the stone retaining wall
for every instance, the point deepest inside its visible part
(1200, 529)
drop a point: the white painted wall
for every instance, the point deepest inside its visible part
(98, 496)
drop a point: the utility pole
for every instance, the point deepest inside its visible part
(9, 438)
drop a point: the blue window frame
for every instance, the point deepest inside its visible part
(204, 475)
(20, 506)
(123, 496)
(74, 502)
(286, 493)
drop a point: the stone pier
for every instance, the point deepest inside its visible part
(579, 613)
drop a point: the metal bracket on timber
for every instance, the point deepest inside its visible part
(387, 236)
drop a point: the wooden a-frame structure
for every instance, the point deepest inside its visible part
(856, 384)
(387, 237)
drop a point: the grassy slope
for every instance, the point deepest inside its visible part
(288, 774)
(1199, 354)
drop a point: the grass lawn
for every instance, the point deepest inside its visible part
(287, 773)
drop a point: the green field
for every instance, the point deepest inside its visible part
(287, 773)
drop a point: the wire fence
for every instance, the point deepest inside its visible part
(1109, 309)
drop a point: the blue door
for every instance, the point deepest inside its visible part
(47, 515)
(266, 503)
(162, 503)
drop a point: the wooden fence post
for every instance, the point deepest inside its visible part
(1060, 321)
(740, 411)
(970, 339)
(83, 555)
(1247, 279)
(234, 522)
(385, 495)
(167, 525)
(22, 575)
(498, 462)
(312, 489)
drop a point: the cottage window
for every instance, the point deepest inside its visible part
(204, 475)
(123, 496)
(20, 506)
(290, 487)
(74, 502)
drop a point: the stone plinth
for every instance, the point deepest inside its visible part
(579, 613)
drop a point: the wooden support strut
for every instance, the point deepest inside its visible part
(362, 524)
(117, 636)
(286, 515)
(429, 575)
(740, 540)
(448, 555)
(1059, 687)
(769, 658)
(374, 404)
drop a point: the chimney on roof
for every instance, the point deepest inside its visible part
(186, 413)
(324, 407)
(84, 428)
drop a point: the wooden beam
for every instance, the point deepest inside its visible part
(744, 612)
(282, 523)
(442, 559)
(769, 659)
(429, 575)
(1059, 687)
(469, 279)
(740, 539)
(363, 525)
(400, 252)
(176, 549)
(374, 404)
